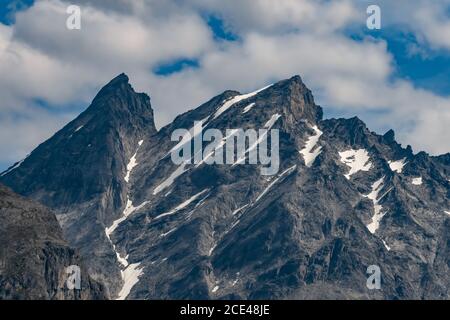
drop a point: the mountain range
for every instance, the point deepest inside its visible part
(344, 199)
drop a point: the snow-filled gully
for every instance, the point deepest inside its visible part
(130, 272)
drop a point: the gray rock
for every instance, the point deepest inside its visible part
(297, 235)
(34, 260)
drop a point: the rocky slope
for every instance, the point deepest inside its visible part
(34, 260)
(344, 198)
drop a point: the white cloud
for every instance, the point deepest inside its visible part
(41, 59)
(428, 20)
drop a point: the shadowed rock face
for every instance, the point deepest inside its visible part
(34, 261)
(222, 231)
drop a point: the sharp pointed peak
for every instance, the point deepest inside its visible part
(294, 80)
(120, 83)
(121, 78)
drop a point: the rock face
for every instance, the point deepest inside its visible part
(34, 261)
(79, 172)
(344, 199)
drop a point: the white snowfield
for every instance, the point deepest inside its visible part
(130, 277)
(357, 160)
(397, 166)
(447, 212)
(378, 215)
(310, 151)
(232, 101)
(181, 206)
(417, 181)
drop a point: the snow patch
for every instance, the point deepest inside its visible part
(79, 128)
(232, 101)
(192, 133)
(373, 195)
(397, 166)
(447, 212)
(214, 290)
(269, 124)
(132, 272)
(249, 107)
(310, 152)
(168, 182)
(123, 261)
(130, 277)
(386, 246)
(357, 160)
(18, 164)
(218, 146)
(200, 203)
(417, 181)
(132, 163)
(285, 172)
(235, 212)
(129, 209)
(167, 233)
(181, 206)
(212, 249)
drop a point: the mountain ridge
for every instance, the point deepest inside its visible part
(343, 199)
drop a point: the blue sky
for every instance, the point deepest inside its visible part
(397, 77)
(429, 70)
(9, 7)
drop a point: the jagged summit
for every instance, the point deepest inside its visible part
(121, 78)
(389, 136)
(121, 82)
(119, 93)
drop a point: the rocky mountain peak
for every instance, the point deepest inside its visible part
(298, 98)
(119, 83)
(389, 136)
(344, 198)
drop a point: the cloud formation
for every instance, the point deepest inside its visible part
(46, 70)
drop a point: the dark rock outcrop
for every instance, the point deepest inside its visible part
(34, 257)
